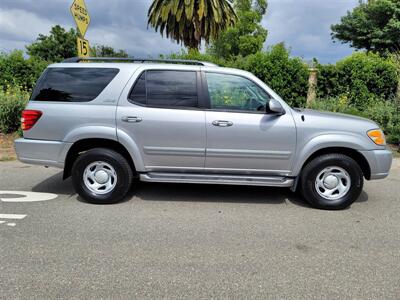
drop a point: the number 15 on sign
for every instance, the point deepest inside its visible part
(83, 47)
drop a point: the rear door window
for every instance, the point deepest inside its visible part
(166, 89)
(72, 84)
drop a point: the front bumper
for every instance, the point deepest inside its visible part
(42, 152)
(379, 162)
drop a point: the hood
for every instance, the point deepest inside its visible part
(312, 112)
(330, 120)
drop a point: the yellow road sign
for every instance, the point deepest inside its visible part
(83, 47)
(81, 16)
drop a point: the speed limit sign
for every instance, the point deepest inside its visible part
(83, 47)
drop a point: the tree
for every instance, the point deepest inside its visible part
(60, 44)
(286, 75)
(190, 21)
(248, 36)
(106, 51)
(373, 25)
(15, 69)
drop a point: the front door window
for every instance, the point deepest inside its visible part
(235, 93)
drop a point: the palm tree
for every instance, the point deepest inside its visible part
(190, 21)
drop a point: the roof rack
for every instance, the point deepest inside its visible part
(138, 60)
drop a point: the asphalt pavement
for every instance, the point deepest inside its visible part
(194, 242)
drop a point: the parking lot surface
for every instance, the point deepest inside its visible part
(194, 241)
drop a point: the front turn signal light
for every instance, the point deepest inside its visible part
(377, 136)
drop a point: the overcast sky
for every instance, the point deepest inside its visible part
(304, 25)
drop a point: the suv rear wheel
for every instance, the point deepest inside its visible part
(332, 181)
(102, 176)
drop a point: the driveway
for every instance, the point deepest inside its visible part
(194, 241)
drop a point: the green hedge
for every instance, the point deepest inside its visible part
(18, 75)
(287, 76)
(361, 77)
(12, 101)
(362, 84)
(17, 70)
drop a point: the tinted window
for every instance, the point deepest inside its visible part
(138, 94)
(72, 84)
(166, 89)
(230, 92)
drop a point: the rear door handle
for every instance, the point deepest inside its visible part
(222, 123)
(130, 119)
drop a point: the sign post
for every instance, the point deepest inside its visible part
(82, 19)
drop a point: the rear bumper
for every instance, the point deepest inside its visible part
(379, 162)
(41, 152)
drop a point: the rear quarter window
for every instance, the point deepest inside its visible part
(72, 84)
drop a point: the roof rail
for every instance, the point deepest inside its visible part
(138, 60)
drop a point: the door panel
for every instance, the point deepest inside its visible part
(255, 143)
(168, 139)
(163, 118)
(241, 138)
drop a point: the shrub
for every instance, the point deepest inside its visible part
(328, 81)
(387, 115)
(286, 75)
(362, 77)
(382, 112)
(17, 70)
(393, 132)
(339, 105)
(13, 100)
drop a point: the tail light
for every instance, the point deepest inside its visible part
(29, 118)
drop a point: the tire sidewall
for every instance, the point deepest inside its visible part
(351, 168)
(123, 178)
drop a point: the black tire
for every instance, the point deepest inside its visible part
(122, 169)
(317, 165)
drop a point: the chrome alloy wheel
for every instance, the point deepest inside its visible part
(333, 183)
(100, 177)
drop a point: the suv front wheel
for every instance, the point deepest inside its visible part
(332, 181)
(101, 176)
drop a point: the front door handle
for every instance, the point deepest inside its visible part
(130, 119)
(222, 123)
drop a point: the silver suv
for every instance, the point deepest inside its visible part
(107, 122)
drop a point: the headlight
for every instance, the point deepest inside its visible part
(377, 136)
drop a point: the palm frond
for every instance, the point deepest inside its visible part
(190, 21)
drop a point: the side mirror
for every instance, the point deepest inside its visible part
(275, 107)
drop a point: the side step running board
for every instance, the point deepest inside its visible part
(217, 179)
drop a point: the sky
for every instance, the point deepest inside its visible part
(304, 25)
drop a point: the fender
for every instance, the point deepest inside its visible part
(91, 132)
(102, 133)
(85, 132)
(334, 140)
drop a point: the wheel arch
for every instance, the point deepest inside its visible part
(352, 153)
(86, 144)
